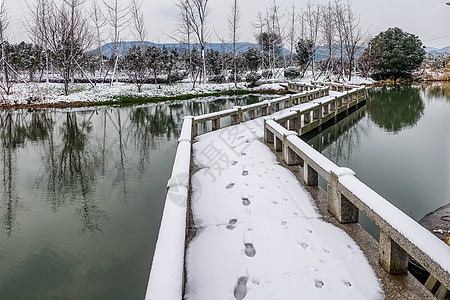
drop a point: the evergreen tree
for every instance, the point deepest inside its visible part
(153, 55)
(305, 50)
(133, 64)
(396, 53)
(252, 59)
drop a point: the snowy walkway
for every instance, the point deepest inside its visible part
(259, 233)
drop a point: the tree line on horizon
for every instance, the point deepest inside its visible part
(62, 32)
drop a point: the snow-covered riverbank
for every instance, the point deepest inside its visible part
(83, 94)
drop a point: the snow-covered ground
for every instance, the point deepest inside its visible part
(54, 92)
(259, 233)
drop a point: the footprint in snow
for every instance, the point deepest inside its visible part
(284, 224)
(326, 250)
(347, 283)
(230, 185)
(249, 250)
(319, 284)
(244, 173)
(245, 201)
(303, 245)
(274, 202)
(232, 224)
(243, 154)
(240, 290)
(248, 243)
(234, 163)
(308, 230)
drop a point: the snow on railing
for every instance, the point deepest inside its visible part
(166, 275)
(400, 235)
(265, 107)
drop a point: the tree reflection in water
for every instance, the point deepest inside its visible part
(148, 125)
(13, 134)
(84, 151)
(395, 108)
(436, 90)
(345, 136)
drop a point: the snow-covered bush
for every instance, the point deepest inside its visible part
(178, 76)
(252, 77)
(291, 73)
(218, 79)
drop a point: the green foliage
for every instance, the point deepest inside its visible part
(291, 73)
(305, 50)
(134, 66)
(252, 59)
(396, 54)
(396, 108)
(253, 77)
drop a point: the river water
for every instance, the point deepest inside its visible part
(83, 190)
(399, 145)
(82, 197)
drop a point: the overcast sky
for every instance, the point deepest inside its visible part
(429, 19)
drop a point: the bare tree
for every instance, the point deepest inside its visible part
(328, 30)
(6, 83)
(292, 36)
(233, 25)
(37, 27)
(352, 37)
(259, 26)
(118, 19)
(99, 21)
(65, 32)
(139, 30)
(278, 27)
(231, 43)
(312, 19)
(184, 32)
(339, 18)
(197, 12)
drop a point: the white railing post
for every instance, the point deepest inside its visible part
(392, 257)
(339, 206)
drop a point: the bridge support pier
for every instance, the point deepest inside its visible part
(338, 205)
(293, 124)
(236, 118)
(268, 136)
(310, 175)
(216, 124)
(307, 118)
(278, 144)
(392, 257)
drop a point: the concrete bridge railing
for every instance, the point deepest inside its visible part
(319, 112)
(240, 114)
(167, 273)
(400, 235)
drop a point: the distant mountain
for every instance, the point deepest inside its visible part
(107, 49)
(436, 51)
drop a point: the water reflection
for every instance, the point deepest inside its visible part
(387, 162)
(344, 136)
(13, 134)
(87, 188)
(437, 90)
(395, 108)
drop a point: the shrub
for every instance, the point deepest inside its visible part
(252, 77)
(291, 73)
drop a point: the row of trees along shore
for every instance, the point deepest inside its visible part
(63, 34)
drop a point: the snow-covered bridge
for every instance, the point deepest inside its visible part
(252, 231)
